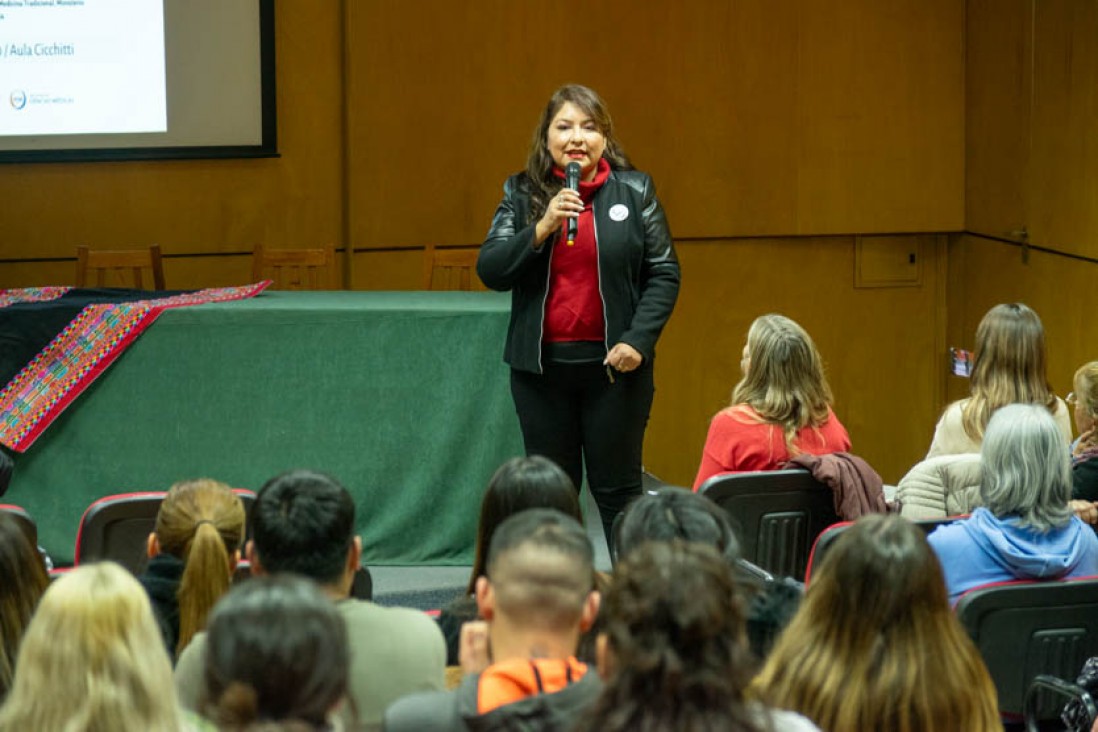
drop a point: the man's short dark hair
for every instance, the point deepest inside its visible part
(541, 565)
(303, 523)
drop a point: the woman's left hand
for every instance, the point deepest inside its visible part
(624, 358)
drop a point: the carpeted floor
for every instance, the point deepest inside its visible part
(428, 588)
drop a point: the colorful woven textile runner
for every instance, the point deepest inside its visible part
(80, 353)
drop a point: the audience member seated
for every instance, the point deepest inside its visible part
(23, 579)
(193, 552)
(1025, 529)
(1008, 368)
(672, 653)
(518, 484)
(7, 467)
(780, 408)
(536, 600)
(875, 645)
(1084, 451)
(277, 653)
(303, 524)
(92, 659)
(674, 513)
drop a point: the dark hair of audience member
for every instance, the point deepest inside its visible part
(519, 484)
(303, 523)
(200, 522)
(7, 467)
(675, 513)
(876, 645)
(674, 656)
(277, 657)
(23, 579)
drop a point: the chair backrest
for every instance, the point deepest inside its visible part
(777, 515)
(828, 536)
(1023, 629)
(119, 262)
(23, 520)
(451, 269)
(295, 269)
(117, 527)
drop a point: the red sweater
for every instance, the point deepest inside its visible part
(739, 443)
(573, 309)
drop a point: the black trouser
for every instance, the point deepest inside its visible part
(573, 415)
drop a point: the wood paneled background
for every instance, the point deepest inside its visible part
(777, 133)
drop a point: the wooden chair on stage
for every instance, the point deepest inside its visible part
(451, 268)
(117, 263)
(295, 269)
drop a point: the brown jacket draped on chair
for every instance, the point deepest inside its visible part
(856, 486)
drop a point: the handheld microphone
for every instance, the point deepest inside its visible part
(572, 180)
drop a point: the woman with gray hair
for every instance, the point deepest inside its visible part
(1026, 529)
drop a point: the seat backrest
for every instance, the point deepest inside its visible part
(23, 520)
(117, 527)
(1027, 628)
(116, 263)
(451, 268)
(295, 269)
(828, 536)
(777, 515)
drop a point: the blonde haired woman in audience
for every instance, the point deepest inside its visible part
(780, 408)
(1084, 451)
(1009, 368)
(23, 579)
(194, 549)
(875, 645)
(92, 660)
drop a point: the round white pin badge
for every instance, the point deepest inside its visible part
(619, 212)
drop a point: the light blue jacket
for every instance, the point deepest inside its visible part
(983, 549)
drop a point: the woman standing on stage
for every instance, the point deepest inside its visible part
(586, 309)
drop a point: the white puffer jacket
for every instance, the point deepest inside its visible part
(947, 485)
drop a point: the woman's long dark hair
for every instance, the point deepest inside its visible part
(676, 657)
(23, 579)
(519, 484)
(539, 163)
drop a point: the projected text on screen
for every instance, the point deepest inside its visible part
(81, 67)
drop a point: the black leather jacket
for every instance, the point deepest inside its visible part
(638, 270)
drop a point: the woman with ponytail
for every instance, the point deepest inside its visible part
(193, 552)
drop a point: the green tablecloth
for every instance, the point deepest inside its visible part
(403, 396)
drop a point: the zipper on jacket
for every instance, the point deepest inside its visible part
(598, 268)
(545, 299)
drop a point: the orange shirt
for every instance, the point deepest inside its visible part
(509, 681)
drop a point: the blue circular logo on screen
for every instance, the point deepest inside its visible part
(18, 99)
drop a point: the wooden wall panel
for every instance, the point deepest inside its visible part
(1060, 289)
(997, 119)
(881, 346)
(1064, 182)
(206, 205)
(754, 117)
